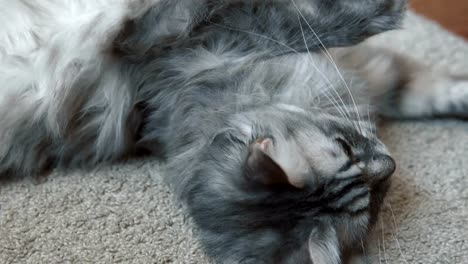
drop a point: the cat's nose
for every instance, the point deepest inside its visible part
(379, 167)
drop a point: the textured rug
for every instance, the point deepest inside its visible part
(125, 214)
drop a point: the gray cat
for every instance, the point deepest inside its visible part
(271, 147)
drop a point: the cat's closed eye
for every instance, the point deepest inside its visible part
(346, 147)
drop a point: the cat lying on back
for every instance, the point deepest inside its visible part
(267, 141)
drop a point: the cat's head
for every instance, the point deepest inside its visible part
(287, 185)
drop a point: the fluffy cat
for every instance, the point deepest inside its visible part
(266, 140)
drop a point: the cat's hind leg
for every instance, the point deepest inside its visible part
(405, 89)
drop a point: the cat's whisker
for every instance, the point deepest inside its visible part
(346, 113)
(258, 35)
(326, 92)
(375, 127)
(359, 122)
(362, 246)
(323, 75)
(327, 53)
(364, 251)
(380, 251)
(364, 132)
(333, 102)
(395, 232)
(294, 51)
(369, 118)
(374, 124)
(383, 239)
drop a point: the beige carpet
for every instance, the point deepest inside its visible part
(124, 214)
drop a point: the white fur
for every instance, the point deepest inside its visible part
(41, 42)
(47, 49)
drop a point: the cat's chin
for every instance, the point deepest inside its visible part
(355, 232)
(378, 194)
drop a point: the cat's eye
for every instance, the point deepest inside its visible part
(346, 147)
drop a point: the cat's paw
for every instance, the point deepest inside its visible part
(376, 15)
(388, 15)
(457, 99)
(427, 94)
(443, 97)
(351, 21)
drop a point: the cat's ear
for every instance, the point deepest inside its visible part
(261, 168)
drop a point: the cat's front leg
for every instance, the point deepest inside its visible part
(348, 22)
(292, 26)
(162, 25)
(275, 27)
